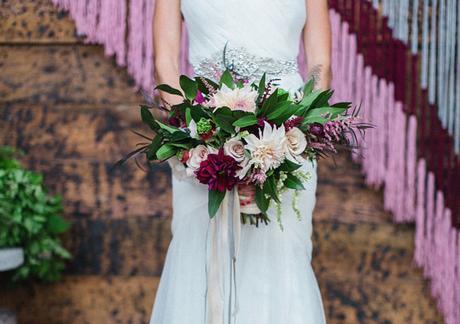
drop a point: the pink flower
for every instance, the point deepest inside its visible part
(236, 99)
(199, 99)
(196, 155)
(218, 172)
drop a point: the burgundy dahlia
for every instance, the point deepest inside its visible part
(218, 172)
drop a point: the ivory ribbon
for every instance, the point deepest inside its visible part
(225, 230)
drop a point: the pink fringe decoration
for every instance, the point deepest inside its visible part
(389, 159)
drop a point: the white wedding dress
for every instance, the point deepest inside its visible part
(275, 283)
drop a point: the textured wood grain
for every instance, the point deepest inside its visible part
(62, 74)
(95, 189)
(37, 21)
(85, 300)
(71, 131)
(121, 299)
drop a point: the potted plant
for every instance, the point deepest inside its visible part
(30, 223)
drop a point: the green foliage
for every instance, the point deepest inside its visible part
(30, 218)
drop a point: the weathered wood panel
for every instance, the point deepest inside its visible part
(383, 302)
(85, 300)
(95, 189)
(349, 251)
(71, 131)
(37, 21)
(62, 74)
(129, 246)
(121, 299)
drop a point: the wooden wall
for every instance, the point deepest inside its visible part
(70, 109)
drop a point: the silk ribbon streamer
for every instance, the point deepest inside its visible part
(224, 242)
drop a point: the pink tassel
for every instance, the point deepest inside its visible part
(430, 207)
(410, 169)
(420, 222)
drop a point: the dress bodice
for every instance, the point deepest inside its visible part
(264, 28)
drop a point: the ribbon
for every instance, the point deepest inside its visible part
(224, 243)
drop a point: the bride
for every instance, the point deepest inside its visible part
(274, 281)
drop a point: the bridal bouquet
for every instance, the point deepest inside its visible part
(233, 133)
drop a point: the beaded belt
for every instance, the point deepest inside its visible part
(244, 65)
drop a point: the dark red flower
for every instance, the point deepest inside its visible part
(317, 129)
(174, 121)
(218, 172)
(199, 99)
(293, 122)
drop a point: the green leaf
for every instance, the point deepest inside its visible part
(57, 224)
(261, 201)
(166, 151)
(247, 120)
(282, 113)
(198, 112)
(215, 199)
(169, 129)
(188, 116)
(345, 105)
(148, 118)
(227, 79)
(223, 118)
(262, 85)
(292, 182)
(153, 148)
(189, 86)
(326, 111)
(168, 89)
(323, 99)
(270, 188)
(289, 166)
(315, 119)
(309, 87)
(269, 103)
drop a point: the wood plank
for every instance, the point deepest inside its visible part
(95, 189)
(369, 301)
(379, 252)
(122, 299)
(84, 300)
(38, 21)
(129, 246)
(62, 74)
(70, 132)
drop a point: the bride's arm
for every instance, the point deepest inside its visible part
(167, 24)
(317, 40)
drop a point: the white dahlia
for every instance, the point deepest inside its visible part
(268, 150)
(236, 99)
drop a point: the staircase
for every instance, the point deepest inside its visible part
(71, 108)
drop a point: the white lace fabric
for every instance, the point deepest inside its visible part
(275, 282)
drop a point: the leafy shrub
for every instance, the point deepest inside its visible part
(30, 218)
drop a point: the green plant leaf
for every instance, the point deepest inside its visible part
(309, 87)
(189, 86)
(245, 121)
(322, 111)
(215, 199)
(166, 151)
(261, 201)
(262, 84)
(227, 79)
(57, 224)
(292, 182)
(168, 89)
(223, 118)
(188, 116)
(270, 188)
(289, 166)
(148, 118)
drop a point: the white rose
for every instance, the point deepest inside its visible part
(235, 149)
(197, 155)
(296, 143)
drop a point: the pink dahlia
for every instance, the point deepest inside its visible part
(218, 171)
